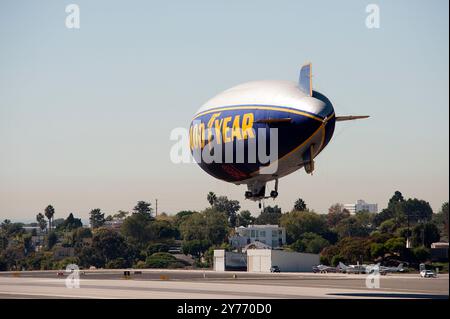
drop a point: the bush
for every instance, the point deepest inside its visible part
(139, 265)
(377, 250)
(336, 259)
(421, 254)
(62, 264)
(165, 256)
(161, 260)
(156, 248)
(117, 263)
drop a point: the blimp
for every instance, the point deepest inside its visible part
(260, 131)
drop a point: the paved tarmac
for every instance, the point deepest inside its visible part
(186, 284)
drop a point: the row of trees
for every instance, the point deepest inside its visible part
(144, 240)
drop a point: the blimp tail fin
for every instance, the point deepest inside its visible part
(305, 79)
(350, 117)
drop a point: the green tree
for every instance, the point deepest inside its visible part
(96, 218)
(388, 226)
(396, 199)
(49, 213)
(300, 205)
(195, 247)
(137, 229)
(52, 239)
(351, 227)
(143, 208)
(109, 245)
(441, 221)
(336, 213)
(269, 216)
(70, 223)
(425, 234)
(211, 197)
(41, 221)
(417, 210)
(209, 225)
(354, 249)
(229, 207)
(310, 243)
(382, 216)
(298, 223)
(377, 250)
(396, 245)
(245, 218)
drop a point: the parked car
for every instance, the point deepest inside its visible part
(427, 274)
(275, 269)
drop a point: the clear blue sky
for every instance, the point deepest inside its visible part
(85, 115)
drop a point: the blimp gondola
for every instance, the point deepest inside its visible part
(260, 131)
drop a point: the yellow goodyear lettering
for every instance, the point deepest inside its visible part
(247, 126)
(226, 130)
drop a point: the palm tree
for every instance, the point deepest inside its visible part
(41, 221)
(49, 212)
(211, 197)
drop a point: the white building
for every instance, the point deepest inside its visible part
(271, 235)
(360, 206)
(261, 260)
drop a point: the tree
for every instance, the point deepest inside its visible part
(49, 213)
(441, 221)
(51, 240)
(310, 243)
(109, 245)
(397, 198)
(41, 221)
(96, 218)
(209, 225)
(71, 223)
(382, 216)
(229, 207)
(270, 215)
(336, 213)
(195, 247)
(396, 245)
(351, 227)
(354, 249)
(388, 226)
(143, 208)
(211, 197)
(245, 218)
(417, 210)
(298, 223)
(377, 250)
(425, 234)
(136, 228)
(300, 205)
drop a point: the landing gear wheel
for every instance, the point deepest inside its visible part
(259, 205)
(248, 194)
(274, 194)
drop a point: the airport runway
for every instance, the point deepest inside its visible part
(193, 284)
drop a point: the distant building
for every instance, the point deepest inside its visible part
(114, 224)
(270, 235)
(360, 206)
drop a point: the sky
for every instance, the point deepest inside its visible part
(86, 114)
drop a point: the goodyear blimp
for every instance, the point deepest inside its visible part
(260, 131)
